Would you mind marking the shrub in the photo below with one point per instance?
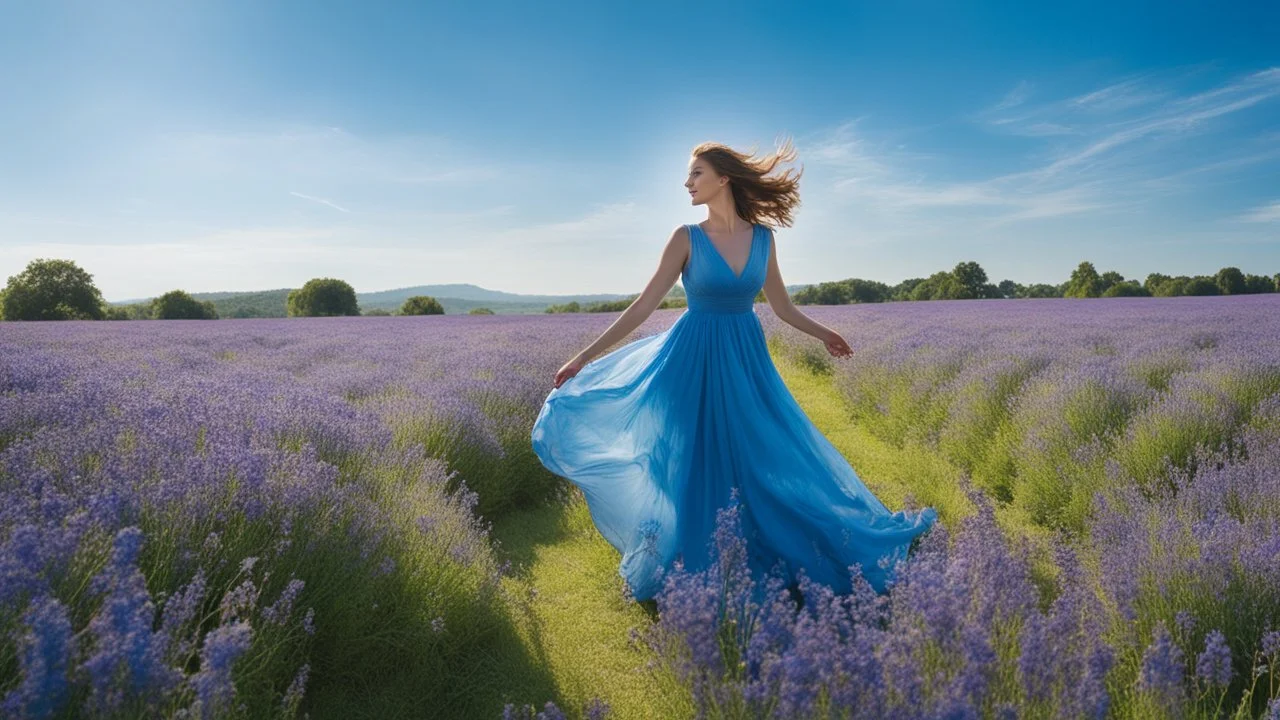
(179, 305)
(323, 297)
(421, 305)
(51, 289)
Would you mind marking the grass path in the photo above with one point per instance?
(570, 616)
(567, 605)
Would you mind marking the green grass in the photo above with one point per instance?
(570, 617)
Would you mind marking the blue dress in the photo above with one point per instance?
(657, 432)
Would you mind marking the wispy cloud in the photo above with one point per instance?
(1265, 213)
(1107, 149)
(1016, 97)
(322, 201)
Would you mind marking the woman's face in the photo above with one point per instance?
(703, 183)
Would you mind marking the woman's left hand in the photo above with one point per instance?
(837, 346)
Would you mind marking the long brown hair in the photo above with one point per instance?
(756, 196)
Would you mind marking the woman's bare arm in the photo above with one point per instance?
(669, 266)
(775, 291)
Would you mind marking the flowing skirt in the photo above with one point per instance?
(659, 431)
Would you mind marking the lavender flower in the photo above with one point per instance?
(212, 684)
(1213, 665)
(43, 657)
(1162, 671)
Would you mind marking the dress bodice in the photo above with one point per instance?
(710, 285)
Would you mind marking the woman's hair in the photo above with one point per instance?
(756, 196)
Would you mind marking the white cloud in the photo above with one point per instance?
(1264, 213)
(322, 201)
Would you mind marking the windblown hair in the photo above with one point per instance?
(756, 196)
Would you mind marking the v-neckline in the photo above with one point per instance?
(751, 252)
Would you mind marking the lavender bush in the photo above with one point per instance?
(1147, 433)
(961, 633)
(1034, 397)
(247, 515)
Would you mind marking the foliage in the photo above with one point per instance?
(323, 297)
(1085, 282)
(608, 306)
(843, 292)
(1201, 286)
(53, 289)
(1126, 288)
(1230, 281)
(179, 305)
(421, 305)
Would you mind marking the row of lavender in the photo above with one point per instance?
(1044, 402)
(1148, 430)
(262, 517)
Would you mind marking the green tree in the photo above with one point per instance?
(936, 287)
(487, 311)
(1084, 283)
(825, 293)
(1172, 287)
(380, 312)
(52, 289)
(1009, 289)
(421, 305)
(1041, 290)
(1254, 284)
(179, 305)
(323, 297)
(903, 290)
(1230, 281)
(1126, 288)
(1154, 281)
(1201, 285)
(1109, 278)
(972, 278)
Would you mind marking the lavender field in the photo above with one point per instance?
(272, 518)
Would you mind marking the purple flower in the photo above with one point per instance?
(597, 709)
(1162, 671)
(44, 650)
(1271, 645)
(128, 659)
(1213, 665)
(279, 611)
(212, 683)
(297, 688)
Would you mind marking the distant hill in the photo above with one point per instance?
(457, 299)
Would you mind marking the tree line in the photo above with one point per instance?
(968, 281)
(55, 289)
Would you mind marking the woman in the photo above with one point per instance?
(659, 432)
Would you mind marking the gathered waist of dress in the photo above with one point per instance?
(720, 308)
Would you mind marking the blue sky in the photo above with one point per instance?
(542, 147)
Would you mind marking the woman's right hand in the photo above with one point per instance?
(569, 369)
